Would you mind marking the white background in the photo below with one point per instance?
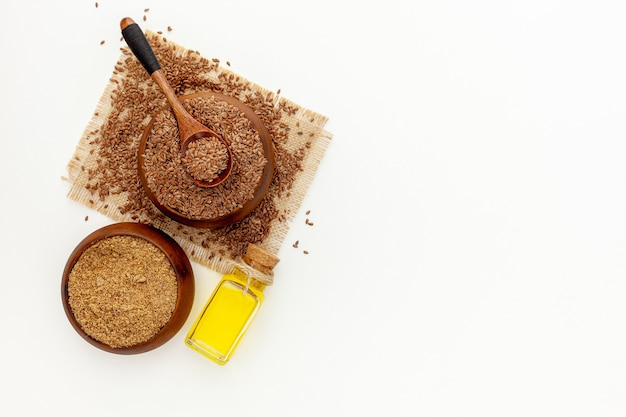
(469, 250)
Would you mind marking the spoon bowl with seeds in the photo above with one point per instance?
(205, 154)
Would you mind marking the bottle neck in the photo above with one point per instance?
(248, 280)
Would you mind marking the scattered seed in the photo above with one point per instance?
(306, 252)
(308, 212)
(96, 5)
(169, 29)
(296, 243)
(146, 10)
(144, 18)
(114, 173)
(86, 218)
(102, 42)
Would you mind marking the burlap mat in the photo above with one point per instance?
(103, 171)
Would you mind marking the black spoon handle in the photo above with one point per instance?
(138, 43)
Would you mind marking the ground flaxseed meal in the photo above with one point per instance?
(166, 171)
(122, 290)
(109, 176)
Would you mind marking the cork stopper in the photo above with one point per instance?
(260, 259)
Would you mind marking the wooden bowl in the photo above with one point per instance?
(179, 261)
(248, 206)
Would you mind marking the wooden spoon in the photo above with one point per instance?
(189, 128)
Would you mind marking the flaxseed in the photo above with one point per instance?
(205, 158)
(166, 172)
(135, 99)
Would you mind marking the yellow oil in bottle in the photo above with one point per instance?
(225, 318)
(231, 309)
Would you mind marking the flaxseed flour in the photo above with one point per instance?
(117, 296)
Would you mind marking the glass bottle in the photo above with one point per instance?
(232, 307)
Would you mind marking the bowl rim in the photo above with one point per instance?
(179, 261)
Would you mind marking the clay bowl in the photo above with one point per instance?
(247, 207)
(182, 268)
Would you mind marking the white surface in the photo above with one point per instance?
(468, 254)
